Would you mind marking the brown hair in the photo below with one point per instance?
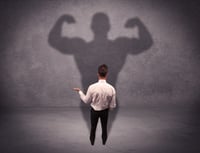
(103, 70)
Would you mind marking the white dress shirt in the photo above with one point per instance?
(101, 95)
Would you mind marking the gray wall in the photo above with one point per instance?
(37, 70)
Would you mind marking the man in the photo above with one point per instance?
(102, 97)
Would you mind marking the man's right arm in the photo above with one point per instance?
(85, 98)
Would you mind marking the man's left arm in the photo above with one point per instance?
(113, 101)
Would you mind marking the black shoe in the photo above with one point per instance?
(92, 141)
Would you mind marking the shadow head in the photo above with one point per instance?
(100, 24)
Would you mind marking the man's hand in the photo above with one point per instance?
(77, 89)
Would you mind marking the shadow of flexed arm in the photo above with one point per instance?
(62, 43)
(145, 40)
(136, 45)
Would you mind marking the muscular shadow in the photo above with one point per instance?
(100, 50)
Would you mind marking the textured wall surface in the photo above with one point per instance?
(49, 47)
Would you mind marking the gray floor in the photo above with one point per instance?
(135, 130)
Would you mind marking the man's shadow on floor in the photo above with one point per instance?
(89, 55)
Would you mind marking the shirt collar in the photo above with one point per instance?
(102, 81)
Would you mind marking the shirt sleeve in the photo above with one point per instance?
(86, 98)
(113, 101)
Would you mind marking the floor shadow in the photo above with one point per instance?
(89, 55)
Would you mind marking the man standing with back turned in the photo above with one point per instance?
(102, 97)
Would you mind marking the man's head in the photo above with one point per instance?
(102, 71)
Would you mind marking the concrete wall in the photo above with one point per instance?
(153, 60)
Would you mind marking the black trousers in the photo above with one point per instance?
(94, 116)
